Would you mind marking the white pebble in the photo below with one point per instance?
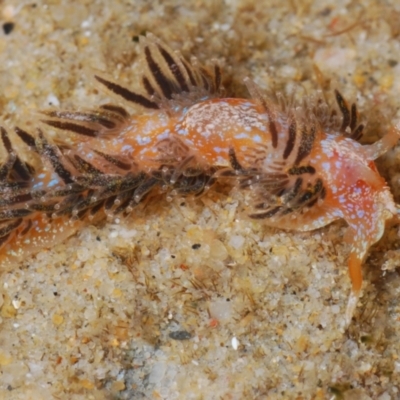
(236, 241)
(52, 100)
(235, 343)
(158, 372)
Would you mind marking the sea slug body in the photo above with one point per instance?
(303, 167)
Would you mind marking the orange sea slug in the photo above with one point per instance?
(303, 167)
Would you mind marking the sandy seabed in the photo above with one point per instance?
(189, 299)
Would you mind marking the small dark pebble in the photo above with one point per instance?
(180, 335)
(8, 27)
(392, 63)
(135, 38)
(196, 246)
(325, 12)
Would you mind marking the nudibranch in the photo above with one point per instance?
(303, 167)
